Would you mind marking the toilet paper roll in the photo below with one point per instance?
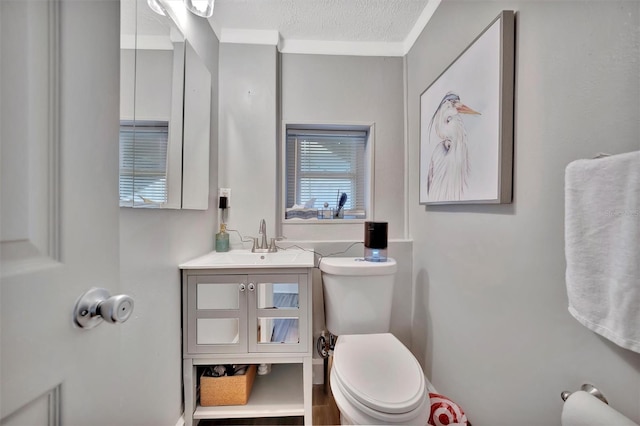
(583, 409)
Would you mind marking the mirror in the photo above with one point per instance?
(278, 296)
(278, 328)
(217, 331)
(165, 96)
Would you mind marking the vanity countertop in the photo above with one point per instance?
(292, 258)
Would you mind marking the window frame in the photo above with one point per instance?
(368, 161)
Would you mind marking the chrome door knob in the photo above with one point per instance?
(116, 308)
(97, 305)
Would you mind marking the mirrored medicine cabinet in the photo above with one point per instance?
(165, 104)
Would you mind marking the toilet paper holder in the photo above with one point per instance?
(588, 388)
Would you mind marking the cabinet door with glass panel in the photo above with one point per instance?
(278, 313)
(246, 313)
(216, 314)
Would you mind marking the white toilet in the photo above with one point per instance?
(374, 379)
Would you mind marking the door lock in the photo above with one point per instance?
(97, 305)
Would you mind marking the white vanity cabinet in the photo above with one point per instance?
(249, 314)
(239, 313)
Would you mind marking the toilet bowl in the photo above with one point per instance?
(374, 378)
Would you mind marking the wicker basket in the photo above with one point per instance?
(227, 390)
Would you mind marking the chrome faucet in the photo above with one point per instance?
(263, 231)
(263, 247)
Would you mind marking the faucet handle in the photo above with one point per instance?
(255, 244)
(272, 245)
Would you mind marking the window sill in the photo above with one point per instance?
(315, 221)
(141, 205)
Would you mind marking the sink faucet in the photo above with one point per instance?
(263, 231)
(263, 247)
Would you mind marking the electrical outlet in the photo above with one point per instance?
(225, 192)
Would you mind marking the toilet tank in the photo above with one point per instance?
(357, 294)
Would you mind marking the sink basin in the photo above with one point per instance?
(247, 259)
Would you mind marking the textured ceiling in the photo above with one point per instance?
(346, 27)
(321, 20)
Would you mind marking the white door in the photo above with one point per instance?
(59, 210)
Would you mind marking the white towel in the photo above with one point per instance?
(602, 246)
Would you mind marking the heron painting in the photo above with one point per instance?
(449, 165)
(466, 123)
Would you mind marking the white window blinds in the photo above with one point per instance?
(322, 164)
(143, 162)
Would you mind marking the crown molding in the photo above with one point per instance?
(326, 47)
(350, 48)
(241, 36)
(420, 24)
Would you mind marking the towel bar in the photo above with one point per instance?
(588, 388)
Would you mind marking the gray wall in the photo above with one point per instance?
(258, 92)
(260, 88)
(348, 89)
(355, 89)
(248, 143)
(491, 325)
(152, 244)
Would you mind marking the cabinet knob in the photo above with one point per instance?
(242, 287)
(252, 286)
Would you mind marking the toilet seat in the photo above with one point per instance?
(377, 375)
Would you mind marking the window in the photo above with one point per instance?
(143, 163)
(324, 163)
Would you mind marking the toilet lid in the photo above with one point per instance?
(357, 266)
(379, 372)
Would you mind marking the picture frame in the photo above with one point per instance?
(466, 123)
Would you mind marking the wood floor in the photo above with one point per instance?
(325, 412)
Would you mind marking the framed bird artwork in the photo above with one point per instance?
(466, 123)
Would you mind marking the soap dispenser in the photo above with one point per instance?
(222, 239)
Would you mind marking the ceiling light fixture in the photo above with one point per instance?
(156, 7)
(202, 8)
